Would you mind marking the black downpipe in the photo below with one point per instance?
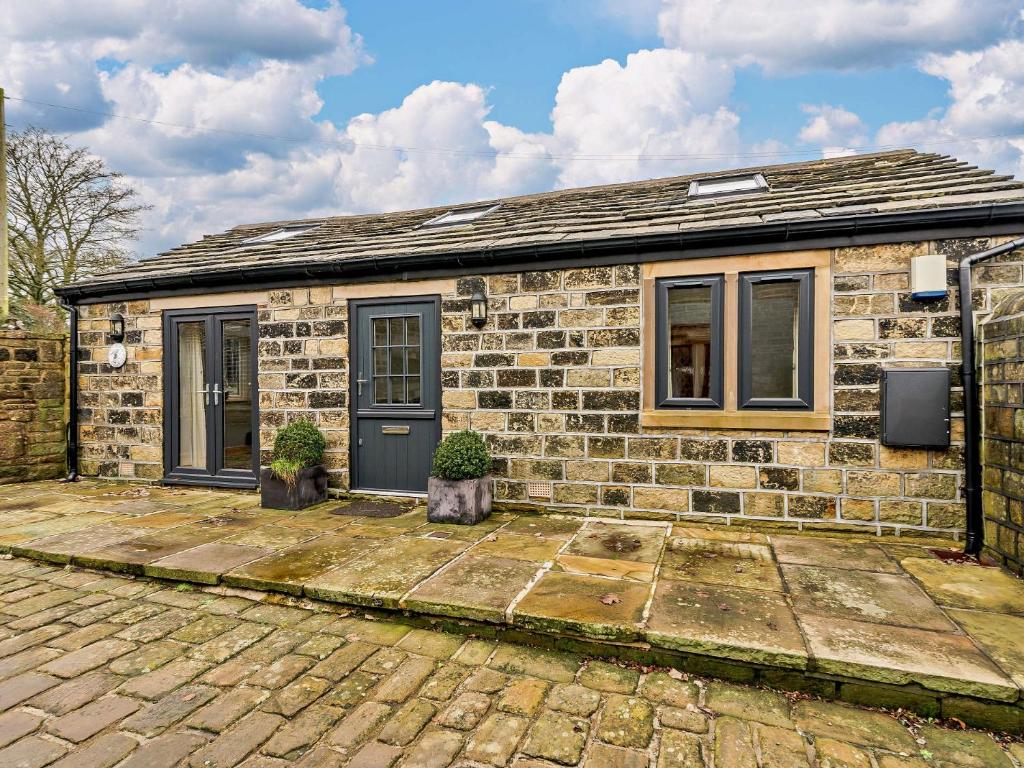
(975, 538)
(72, 434)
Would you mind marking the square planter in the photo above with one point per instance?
(310, 488)
(464, 502)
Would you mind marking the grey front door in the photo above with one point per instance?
(396, 392)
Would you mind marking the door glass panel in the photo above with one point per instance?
(380, 361)
(774, 330)
(397, 390)
(236, 359)
(396, 360)
(397, 331)
(689, 341)
(191, 395)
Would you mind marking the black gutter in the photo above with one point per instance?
(932, 223)
(975, 538)
(72, 429)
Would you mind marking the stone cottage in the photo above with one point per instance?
(711, 347)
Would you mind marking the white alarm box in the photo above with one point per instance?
(928, 276)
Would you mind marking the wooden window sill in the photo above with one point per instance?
(782, 420)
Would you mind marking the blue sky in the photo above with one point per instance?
(520, 51)
(249, 110)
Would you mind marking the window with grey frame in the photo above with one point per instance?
(688, 358)
(776, 340)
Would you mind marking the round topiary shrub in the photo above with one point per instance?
(297, 446)
(462, 456)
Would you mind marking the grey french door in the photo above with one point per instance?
(396, 392)
(211, 424)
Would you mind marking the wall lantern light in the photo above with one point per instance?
(478, 309)
(116, 327)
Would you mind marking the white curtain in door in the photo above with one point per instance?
(191, 408)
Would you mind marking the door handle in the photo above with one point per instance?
(359, 386)
(216, 394)
(206, 394)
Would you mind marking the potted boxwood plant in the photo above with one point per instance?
(296, 477)
(459, 488)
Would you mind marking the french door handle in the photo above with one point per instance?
(216, 394)
(206, 394)
(359, 386)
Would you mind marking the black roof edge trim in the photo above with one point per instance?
(822, 232)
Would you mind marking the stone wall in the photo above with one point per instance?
(1002, 376)
(32, 399)
(553, 381)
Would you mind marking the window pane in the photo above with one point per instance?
(413, 358)
(380, 390)
(380, 361)
(774, 330)
(397, 361)
(237, 412)
(414, 390)
(689, 341)
(192, 397)
(412, 325)
(380, 332)
(397, 390)
(397, 331)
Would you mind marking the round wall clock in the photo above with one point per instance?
(116, 355)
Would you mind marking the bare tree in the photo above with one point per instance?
(70, 216)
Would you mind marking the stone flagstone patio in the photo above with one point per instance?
(877, 621)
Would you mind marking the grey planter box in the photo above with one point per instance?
(310, 488)
(464, 502)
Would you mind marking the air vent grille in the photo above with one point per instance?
(540, 491)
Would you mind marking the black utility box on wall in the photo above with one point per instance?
(915, 407)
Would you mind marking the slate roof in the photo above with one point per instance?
(887, 182)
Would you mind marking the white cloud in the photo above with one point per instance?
(437, 115)
(53, 72)
(660, 102)
(271, 98)
(238, 69)
(984, 121)
(836, 130)
(230, 67)
(86, 60)
(328, 175)
(791, 35)
(204, 32)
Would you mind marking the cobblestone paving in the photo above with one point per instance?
(99, 670)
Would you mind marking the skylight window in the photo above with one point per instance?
(284, 233)
(461, 216)
(728, 185)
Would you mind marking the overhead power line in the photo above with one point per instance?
(348, 143)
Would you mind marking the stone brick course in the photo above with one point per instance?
(554, 380)
(32, 402)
